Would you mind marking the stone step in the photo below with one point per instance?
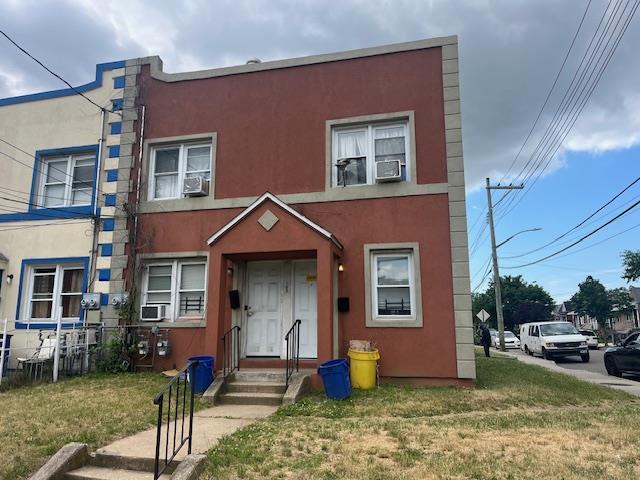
(100, 473)
(243, 398)
(106, 459)
(276, 376)
(256, 387)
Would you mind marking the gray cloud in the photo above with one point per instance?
(510, 51)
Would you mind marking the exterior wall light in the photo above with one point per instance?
(9, 279)
(340, 267)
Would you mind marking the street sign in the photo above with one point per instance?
(483, 315)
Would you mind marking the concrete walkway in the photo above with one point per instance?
(209, 425)
(630, 386)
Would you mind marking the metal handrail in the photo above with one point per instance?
(292, 340)
(179, 412)
(230, 356)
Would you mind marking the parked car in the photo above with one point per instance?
(592, 338)
(510, 340)
(625, 357)
(553, 340)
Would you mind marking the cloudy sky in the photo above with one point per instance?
(510, 53)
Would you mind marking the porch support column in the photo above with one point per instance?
(216, 304)
(325, 302)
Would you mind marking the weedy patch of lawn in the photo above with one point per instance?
(35, 421)
(520, 421)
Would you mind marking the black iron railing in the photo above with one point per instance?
(230, 351)
(178, 396)
(292, 340)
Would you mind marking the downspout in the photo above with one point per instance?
(96, 219)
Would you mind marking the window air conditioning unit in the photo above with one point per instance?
(195, 187)
(388, 171)
(153, 313)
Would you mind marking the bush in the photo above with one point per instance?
(114, 355)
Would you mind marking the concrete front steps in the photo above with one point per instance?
(101, 466)
(254, 387)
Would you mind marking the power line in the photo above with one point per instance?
(78, 92)
(10, 229)
(553, 86)
(569, 100)
(567, 127)
(615, 197)
(581, 239)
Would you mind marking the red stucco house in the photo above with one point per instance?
(328, 189)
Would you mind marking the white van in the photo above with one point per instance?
(553, 340)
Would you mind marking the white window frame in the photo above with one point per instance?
(173, 308)
(374, 283)
(369, 128)
(372, 251)
(67, 199)
(57, 291)
(182, 167)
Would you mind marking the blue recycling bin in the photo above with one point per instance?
(335, 378)
(203, 371)
(7, 349)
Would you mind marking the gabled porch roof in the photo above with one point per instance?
(267, 196)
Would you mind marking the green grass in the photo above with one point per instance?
(35, 421)
(520, 418)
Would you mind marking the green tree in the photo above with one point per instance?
(522, 302)
(621, 299)
(592, 299)
(631, 263)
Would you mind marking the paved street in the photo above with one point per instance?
(595, 365)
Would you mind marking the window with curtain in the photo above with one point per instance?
(67, 180)
(356, 150)
(52, 287)
(393, 285)
(179, 284)
(170, 165)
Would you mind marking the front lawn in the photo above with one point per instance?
(521, 421)
(36, 421)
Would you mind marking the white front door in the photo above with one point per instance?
(264, 309)
(305, 306)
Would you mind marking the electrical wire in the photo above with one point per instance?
(581, 239)
(544, 148)
(611, 200)
(76, 91)
(553, 86)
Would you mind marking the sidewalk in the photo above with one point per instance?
(209, 426)
(629, 386)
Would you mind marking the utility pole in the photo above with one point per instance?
(494, 255)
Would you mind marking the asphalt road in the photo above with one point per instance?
(596, 362)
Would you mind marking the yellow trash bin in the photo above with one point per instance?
(363, 370)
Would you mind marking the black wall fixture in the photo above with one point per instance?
(234, 299)
(343, 304)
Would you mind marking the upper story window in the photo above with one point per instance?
(179, 284)
(54, 286)
(67, 180)
(362, 154)
(170, 165)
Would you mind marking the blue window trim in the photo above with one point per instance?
(51, 213)
(27, 262)
(115, 128)
(108, 224)
(110, 200)
(118, 82)
(66, 92)
(112, 175)
(106, 249)
(114, 151)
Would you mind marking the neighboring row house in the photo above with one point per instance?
(59, 165)
(327, 189)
